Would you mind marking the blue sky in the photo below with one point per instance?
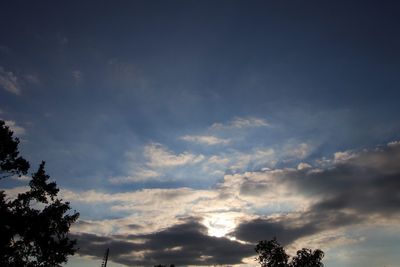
(212, 117)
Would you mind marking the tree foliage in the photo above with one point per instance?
(10, 161)
(34, 226)
(308, 258)
(272, 254)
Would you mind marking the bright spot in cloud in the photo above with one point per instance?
(219, 225)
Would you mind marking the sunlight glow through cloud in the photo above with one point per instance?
(183, 132)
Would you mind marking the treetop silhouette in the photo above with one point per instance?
(272, 254)
(34, 226)
(10, 161)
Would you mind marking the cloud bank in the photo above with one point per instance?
(353, 188)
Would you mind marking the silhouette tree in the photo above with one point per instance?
(272, 254)
(308, 258)
(10, 161)
(34, 226)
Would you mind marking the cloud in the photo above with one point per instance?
(186, 243)
(139, 176)
(161, 164)
(303, 165)
(394, 143)
(241, 123)
(9, 82)
(152, 209)
(205, 139)
(366, 182)
(158, 163)
(296, 151)
(235, 161)
(302, 205)
(291, 227)
(363, 188)
(22, 178)
(159, 156)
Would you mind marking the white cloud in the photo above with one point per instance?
(159, 156)
(205, 139)
(22, 178)
(9, 82)
(137, 176)
(18, 130)
(151, 209)
(238, 197)
(158, 164)
(303, 166)
(343, 156)
(237, 161)
(218, 160)
(241, 123)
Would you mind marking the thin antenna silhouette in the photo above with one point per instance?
(105, 259)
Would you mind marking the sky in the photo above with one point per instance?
(184, 132)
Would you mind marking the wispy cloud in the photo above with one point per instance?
(296, 151)
(140, 175)
(9, 81)
(205, 139)
(159, 156)
(241, 123)
(22, 178)
(158, 163)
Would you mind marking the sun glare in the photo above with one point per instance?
(219, 225)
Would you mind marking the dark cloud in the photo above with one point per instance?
(94, 245)
(350, 190)
(182, 244)
(260, 229)
(367, 183)
(289, 228)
